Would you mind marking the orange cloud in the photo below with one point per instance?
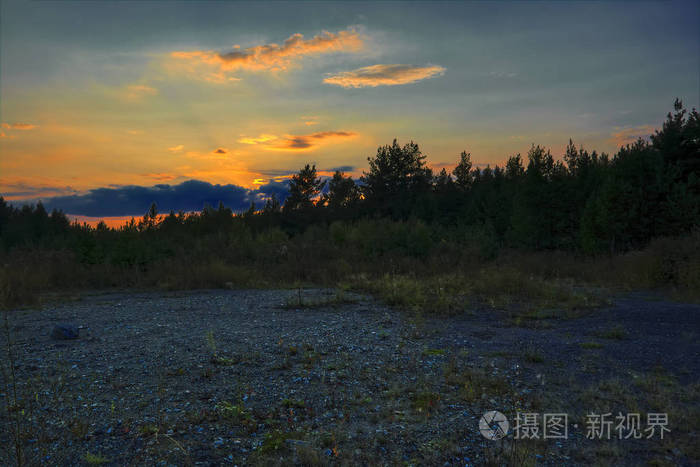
(263, 138)
(309, 142)
(137, 91)
(275, 57)
(310, 120)
(630, 135)
(219, 78)
(383, 75)
(19, 126)
(177, 148)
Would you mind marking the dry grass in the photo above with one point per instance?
(526, 297)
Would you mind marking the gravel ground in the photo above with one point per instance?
(243, 377)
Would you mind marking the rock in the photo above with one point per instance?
(64, 332)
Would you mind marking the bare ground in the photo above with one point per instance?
(251, 377)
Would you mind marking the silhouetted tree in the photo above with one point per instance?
(678, 141)
(272, 204)
(342, 192)
(303, 188)
(150, 219)
(397, 177)
(463, 171)
(514, 167)
(250, 212)
(629, 208)
(444, 185)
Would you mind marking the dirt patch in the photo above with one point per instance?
(240, 377)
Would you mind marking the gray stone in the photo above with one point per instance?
(65, 331)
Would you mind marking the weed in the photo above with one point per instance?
(298, 301)
(615, 332)
(425, 402)
(236, 413)
(224, 361)
(177, 372)
(96, 459)
(275, 441)
(293, 403)
(476, 383)
(533, 355)
(211, 342)
(10, 380)
(79, 428)
(149, 429)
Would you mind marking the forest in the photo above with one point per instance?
(398, 218)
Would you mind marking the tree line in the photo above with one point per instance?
(587, 202)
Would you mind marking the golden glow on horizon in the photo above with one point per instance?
(263, 138)
(19, 126)
(112, 221)
(630, 135)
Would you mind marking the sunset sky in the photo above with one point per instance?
(102, 101)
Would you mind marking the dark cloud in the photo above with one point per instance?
(220, 151)
(342, 168)
(301, 142)
(273, 172)
(133, 200)
(28, 191)
(279, 188)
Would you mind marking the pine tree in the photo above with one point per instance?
(444, 183)
(463, 172)
(397, 178)
(304, 187)
(272, 204)
(342, 192)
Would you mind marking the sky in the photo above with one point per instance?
(106, 106)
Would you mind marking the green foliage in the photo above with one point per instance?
(235, 413)
(276, 441)
(96, 459)
(397, 176)
(382, 237)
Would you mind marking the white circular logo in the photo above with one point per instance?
(493, 425)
